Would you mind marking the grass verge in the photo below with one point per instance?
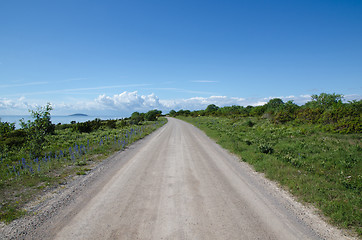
(323, 169)
(69, 153)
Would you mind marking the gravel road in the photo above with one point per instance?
(174, 184)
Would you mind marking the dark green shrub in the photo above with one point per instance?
(136, 118)
(265, 148)
(16, 138)
(257, 111)
(111, 124)
(283, 117)
(183, 113)
(309, 115)
(212, 108)
(250, 123)
(6, 127)
(83, 127)
(172, 113)
(274, 105)
(152, 115)
(88, 126)
(123, 123)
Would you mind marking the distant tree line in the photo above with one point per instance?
(137, 118)
(327, 110)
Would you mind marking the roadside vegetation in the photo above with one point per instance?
(314, 150)
(41, 156)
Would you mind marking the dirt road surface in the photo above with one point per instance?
(179, 184)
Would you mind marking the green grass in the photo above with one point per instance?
(21, 186)
(323, 169)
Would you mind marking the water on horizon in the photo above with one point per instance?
(55, 119)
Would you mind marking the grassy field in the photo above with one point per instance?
(67, 153)
(320, 168)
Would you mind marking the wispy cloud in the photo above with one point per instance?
(79, 90)
(22, 84)
(105, 87)
(181, 90)
(204, 81)
(72, 80)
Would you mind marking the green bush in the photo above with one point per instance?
(250, 123)
(38, 129)
(309, 115)
(14, 139)
(88, 126)
(265, 148)
(83, 127)
(111, 124)
(152, 115)
(283, 117)
(6, 127)
(136, 118)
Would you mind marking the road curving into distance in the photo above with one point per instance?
(179, 184)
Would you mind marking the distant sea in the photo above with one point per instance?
(55, 119)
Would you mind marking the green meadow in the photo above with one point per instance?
(317, 161)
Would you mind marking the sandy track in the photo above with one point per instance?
(178, 184)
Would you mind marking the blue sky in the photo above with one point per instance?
(116, 57)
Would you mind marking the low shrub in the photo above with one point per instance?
(265, 148)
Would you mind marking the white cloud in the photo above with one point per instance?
(197, 103)
(129, 101)
(300, 100)
(15, 106)
(125, 103)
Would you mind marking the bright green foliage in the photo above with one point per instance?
(265, 148)
(326, 110)
(38, 129)
(326, 100)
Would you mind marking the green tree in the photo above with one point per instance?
(212, 108)
(37, 130)
(274, 105)
(152, 115)
(172, 113)
(136, 118)
(325, 100)
(183, 113)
